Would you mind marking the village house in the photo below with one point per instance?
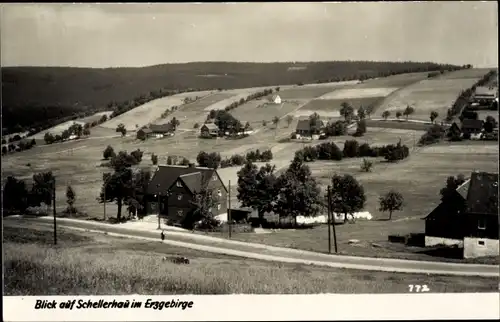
(209, 130)
(469, 218)
(468, 127)
(276, 99)
(160, 130)
(485, 95)
(173, 189)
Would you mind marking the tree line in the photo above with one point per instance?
(214, 160)
(18, 147)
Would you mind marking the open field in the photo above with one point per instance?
(331, 107)
(147, 113)
(355, 92)
(475, 73)
(257, 111)
(430, 95)
(95, 117)
(189, 114)
(127, 266)
(309, 92)
(401, 80)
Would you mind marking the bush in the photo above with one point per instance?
(329, 151)
(196, 125)
(154, 159)
(237, 160)
(366, 165)
(433, 135)
(266, 156)
(108, 153)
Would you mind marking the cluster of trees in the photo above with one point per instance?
(250, 97)
(434, 134)
(409, 110)
(76, 129)
(462, 103)
(352, 149)
(226, 122)
(14, 138)
(134, 158)
(20, 146)
(297, 193)
(214, 160)
(124, 185)
(174, 160)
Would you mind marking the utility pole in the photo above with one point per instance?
(333, 217)
(229, 209)
(329, 221)
(159, 206)
(54, 208)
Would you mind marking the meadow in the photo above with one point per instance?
(331, 107)
(149, 112)
(91, 264)
(418, 178)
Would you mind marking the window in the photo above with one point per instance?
(210, 209)
(179, 197)
(214, 177)
(480, 242)
(481, 224)
(218, 207)
(180, 212)
(179, 184)
(219, 193)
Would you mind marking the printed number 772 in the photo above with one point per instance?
(418, 288)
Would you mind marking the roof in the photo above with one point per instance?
(463, 189)
(146, 130)
(195, 178)
(275, 96)
(211, 126)
(303, 125)
(482, 195)
(472, 124)
(161, 128)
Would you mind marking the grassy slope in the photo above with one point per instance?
(98, 264)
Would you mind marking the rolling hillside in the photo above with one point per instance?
(34, 96)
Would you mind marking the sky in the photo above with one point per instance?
(134, 35)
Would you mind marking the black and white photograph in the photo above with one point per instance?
(249, 148)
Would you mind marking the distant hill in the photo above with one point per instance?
(36, 96)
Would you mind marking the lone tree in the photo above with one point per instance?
(70, 200)
(175, 123)
(256, 188)
(386, 115)
(289, 120)
(366, 165)
(154, 159)
(409, 110)
(298, 193)
(141, 135)
(108, 153)
(276, 121)
(361, 128)
(346, 110)
(391, 202)
(121, 129)
(398, 114)
(434, 116)
(347, 195)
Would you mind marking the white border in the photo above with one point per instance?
(451, 306)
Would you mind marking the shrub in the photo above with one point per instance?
(237, 159)
(266, 156)
(433, 135)
(366, 165)
(196, 125)
(185, 161)
(108, 153)
(329, 151)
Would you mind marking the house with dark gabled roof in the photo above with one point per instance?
(468, 218)
(209, 130)
(304, 128)
(161, 130)
(172, 190)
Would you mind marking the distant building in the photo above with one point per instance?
(160, 130)
(468, 218)
(209, 130)
(276, 99)
(304, 128)
(468, 127)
